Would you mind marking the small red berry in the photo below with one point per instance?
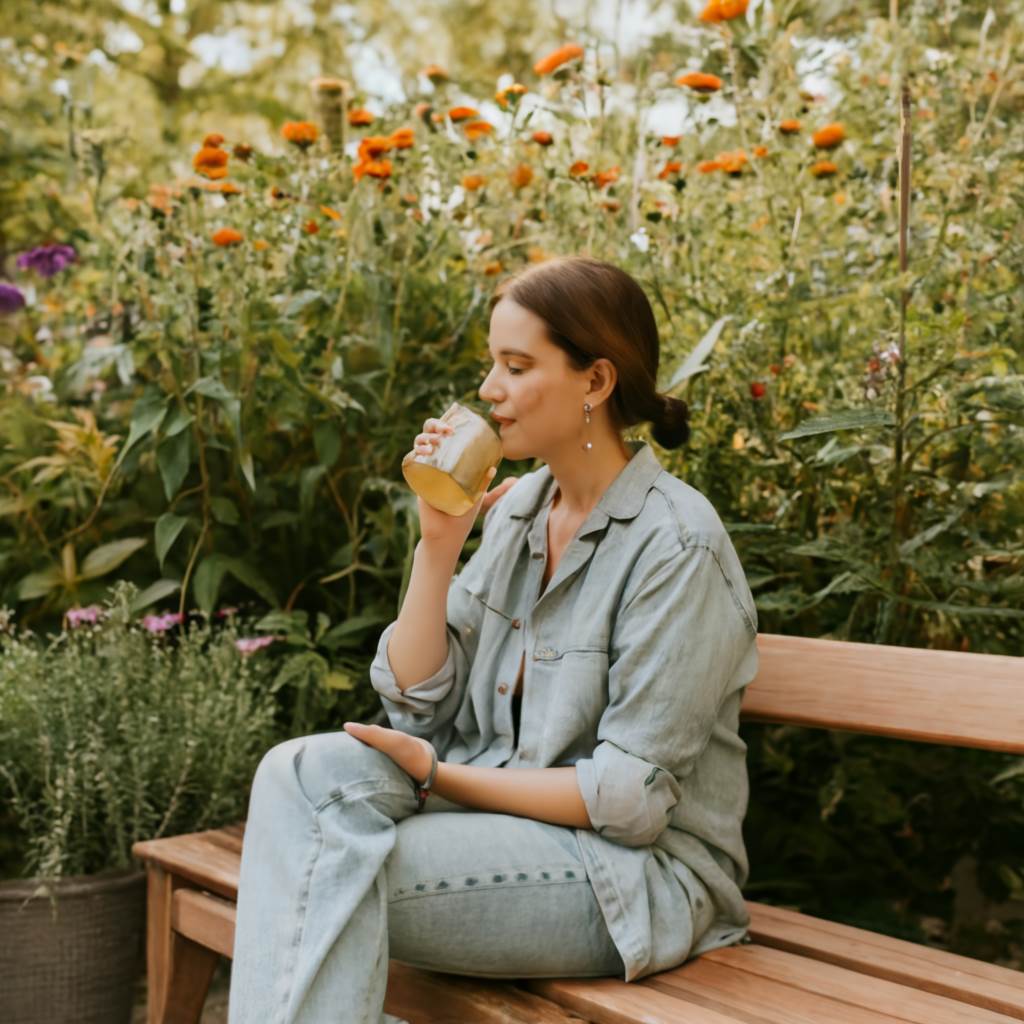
(757, 390)
(775, 369)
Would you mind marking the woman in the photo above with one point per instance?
(606, 599)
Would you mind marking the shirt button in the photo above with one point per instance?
(538, 554)
(515, 623)
(502, 688)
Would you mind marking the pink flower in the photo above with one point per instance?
(161, 623)
(76, 616)
(223, 613)
(247, 645)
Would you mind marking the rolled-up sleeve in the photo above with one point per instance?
(431, 704)
(682, 642)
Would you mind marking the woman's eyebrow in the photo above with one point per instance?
(515, 352)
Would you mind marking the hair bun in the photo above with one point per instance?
(672, 426)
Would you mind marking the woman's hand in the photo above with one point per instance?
(438, 529)
(411, 753)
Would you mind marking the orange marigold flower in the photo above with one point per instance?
(329, 211)
(227, 236)
(555, 59)
(311, 227)
(670, 140)
(435, 73)
(723, 10)
(211, 162)
(374, 168)
(471, 182)
(360, 117)
(492, 268)
(242, 150)
(373, 146)
(276, 192)
(300, 133)
(700, 81)
(402, 138)
(824, 169)
(671, 167)
(611, 205)
(503, 95)
(578, 169)
(760, 151)
(477, 129)
(463, 113)
(213, 140)
(709, 166)
(261, 244)
(829, 136)
(521, 176)
(542, 138)
(790, 126)
(603, 178)
(732, 163)
(225, 188)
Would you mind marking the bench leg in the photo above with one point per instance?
(192, 971)
(178, 971)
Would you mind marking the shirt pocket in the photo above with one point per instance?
(578, 683)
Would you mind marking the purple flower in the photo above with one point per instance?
(76, 616)
(253, 643)
(47, 260)
(161, 623)
(11, 299)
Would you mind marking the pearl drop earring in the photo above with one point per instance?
(586, 415)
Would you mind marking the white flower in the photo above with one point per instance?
(640, 240)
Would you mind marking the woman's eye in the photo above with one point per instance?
(515, 371)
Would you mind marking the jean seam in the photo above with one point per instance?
(369, 789)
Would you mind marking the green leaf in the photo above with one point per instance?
(694, 362)
(338, 680)
(301, 301)
(843, 419)
(178, 420)
(154, 592)
(930, 534)
(146, 416)
(173, 458)
(166, 532)
(245, 464)
(207, 580)
(327, 442)
(108, 557)
(224, 511)
(250, 576)
(38, 584)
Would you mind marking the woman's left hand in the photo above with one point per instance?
(411, 753)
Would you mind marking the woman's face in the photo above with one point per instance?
(531, 383)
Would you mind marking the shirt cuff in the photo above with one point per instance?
(423, 696)
(629, 800)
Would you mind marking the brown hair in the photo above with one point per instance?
(594, 310)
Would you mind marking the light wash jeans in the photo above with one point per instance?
(339, 873)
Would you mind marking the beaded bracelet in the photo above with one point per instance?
(422, 792)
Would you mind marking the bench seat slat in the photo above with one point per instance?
(849, 987)
(205, 919)
(931, 970)
(609, 1001)
(207, 864)
(949, 697)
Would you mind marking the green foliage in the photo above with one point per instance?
(110, 734)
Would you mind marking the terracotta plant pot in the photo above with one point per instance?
(79, 963)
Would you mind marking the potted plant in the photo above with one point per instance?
(112, 730)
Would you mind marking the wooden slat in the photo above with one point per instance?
(974, 982)
(848, 987)
(764, 999)
(195, 857)
(611, 1001)
(430, 997)
(205, 919)
(971, 700)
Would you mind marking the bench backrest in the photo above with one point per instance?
(970, 700)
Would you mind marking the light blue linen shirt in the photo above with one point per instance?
(638, 653)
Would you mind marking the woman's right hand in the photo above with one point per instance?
(437, 528)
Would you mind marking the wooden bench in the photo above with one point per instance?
(796, 969)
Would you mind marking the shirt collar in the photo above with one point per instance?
(623, 498)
